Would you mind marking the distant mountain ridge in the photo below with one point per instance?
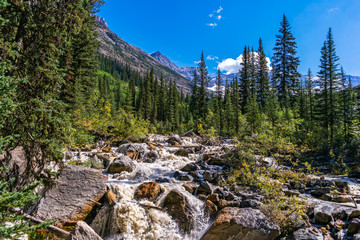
(186, 72)
(113, 46)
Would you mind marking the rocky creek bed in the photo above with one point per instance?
(172, 187)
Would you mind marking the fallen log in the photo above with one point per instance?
(186, 133)
(55, 230)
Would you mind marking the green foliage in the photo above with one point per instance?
(12, 222)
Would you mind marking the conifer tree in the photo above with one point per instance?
(285, 64)
(329, 85)
(195, 96)
(309, 96)
(347, 103)
(162, 100)
(235, 104)
(204, 79)
(227, 106)
(245, 88)
(219, 102)
(262, 72)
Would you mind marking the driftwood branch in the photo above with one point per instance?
(55, 230)
(184, 134)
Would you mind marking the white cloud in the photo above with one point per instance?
(212, 24)
(196, 62)
(231, 65)
(216, 15)
(212, 58)
(333, 10)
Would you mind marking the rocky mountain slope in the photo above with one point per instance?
(187, 72)
(113, 46)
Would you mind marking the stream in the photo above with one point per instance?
(161, 160)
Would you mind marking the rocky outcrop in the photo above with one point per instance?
(121, 164)
(82, 231)
(72, 197)
(134, 150)
(241, 223)
(354, 226)
(177, 206)
(307, 234)
(149, 190)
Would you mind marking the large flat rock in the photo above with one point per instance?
(241, 223)
(72, 197)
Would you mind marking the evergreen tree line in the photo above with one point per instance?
(324, 107)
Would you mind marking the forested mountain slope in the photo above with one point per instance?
(113, 46)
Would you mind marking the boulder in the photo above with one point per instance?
(354, 226)
(190, 187)
(210, 175)
(175, 140)
(214, 198)
(190, 167)
(121, 164)
(354, 214)
(198, 175)
(72, 197)
(104, 157)
(178, 208)
(205, 187)
(241, 223)
(323, 215)
(211, 208)
(307, 234)
(82, 231)
(134, 150)
(183, 152)
(149, 190)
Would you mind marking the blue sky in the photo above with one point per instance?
(221, 28)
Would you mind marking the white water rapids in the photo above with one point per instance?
(129, 219)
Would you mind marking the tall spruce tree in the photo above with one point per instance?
(219, 102)
(262, 73)
(329, 85)
(309, 99)
(245, 78)
(285, 64)
(227, 107)
(203, 93)
(195, 96)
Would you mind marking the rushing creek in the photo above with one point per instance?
(130, 218)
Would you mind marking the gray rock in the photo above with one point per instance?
(251, 203)
(307, 234)
(354, 226)
(82, 231)
(177, 206)
(205, 187)
(70, 199)
(121, 164)
(190, 167)
(323, 215)
(210, 175)
(241, 223)
(197, 174)
(174, 140)
(104, 157)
